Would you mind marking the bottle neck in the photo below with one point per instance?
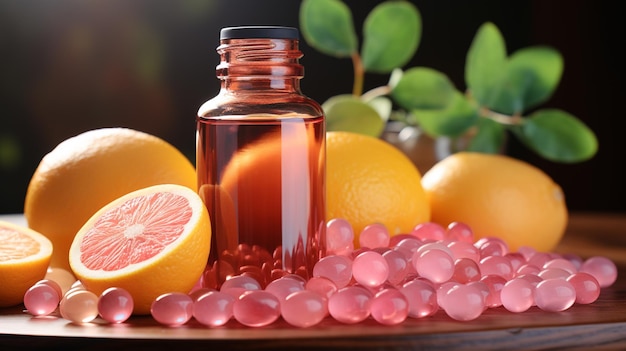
(253, 65)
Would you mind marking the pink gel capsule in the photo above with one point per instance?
(41, 299)
(586, 286)
(554, 295)
(172, 309)
(115, 305)
(370, 269)
(239, 284)
(337, 268)
(79, 306)
(601, 268)
(283, 286)
(466, 270)
(463, 302)
(434, 265)
(256, 308)
(398, 266)
(213, 308)
(304, 308)
(422, 298)
(517, 295)
(374, 235)
(350, 305)
(460, 232)
(322, 286)
(462, 249)
(389, 307)
(497, 265)
(429, 231)
(339, 237)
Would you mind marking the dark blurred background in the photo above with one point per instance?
(67, 66)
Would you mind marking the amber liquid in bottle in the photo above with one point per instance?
(260, 161)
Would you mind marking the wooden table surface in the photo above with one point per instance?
(601, 325)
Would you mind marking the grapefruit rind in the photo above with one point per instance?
(18, 274)
(177, 268)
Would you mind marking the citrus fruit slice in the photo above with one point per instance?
(370, 181)
(151, 241)
(24, 258)
(498, 196)
(87, 171)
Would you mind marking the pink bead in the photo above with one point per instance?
(336, 268)
(576, 260)
(398, 266)
(443, 289)
(395, 239)
(497, 265)
(195, 294)
(339, 237)
(550, 273)
(561, 263)
(554, 295)
(422, 298)
(601, 268)
(527, 269)
(350, 304)
(462, 249)
(539, 259)
(460, 232)
(239, 284)
(429, 231)
(408, 247)
(172, 309)
(463, 303)
(370, 269)
(282, 287)
(389, 307)
(484, 290)
(527, 252)
(322, 286)
(586, 286)
(437, 245)
(79, 306)
(213, 308)
(516, 259)
(374, 235)
(492, 246)
(434, 265)
(517, 295)
(495, 283)
(115, 305)
(304, 308)
(466, 270)
(531, 278)
(256, 308)
(54, 285)
(41, 299)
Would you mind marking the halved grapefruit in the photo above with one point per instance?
(151, 241)
(24, 259)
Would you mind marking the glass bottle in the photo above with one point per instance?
(260, 160)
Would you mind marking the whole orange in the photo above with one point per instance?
(370, 181)
(87, 171)
(497, 196)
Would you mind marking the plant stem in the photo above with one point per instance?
(514, 120)
(376, 92)
(359, 73)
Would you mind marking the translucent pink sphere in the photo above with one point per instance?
(79, 306)
(256, 308)
(422, 298)
(374, 235)
(350, 304)
(283, 286)
(466, 270)
(495, 283)
(339, 237)
(463, 303)
(561, 263)
(601, 268)
(172, 309)
(337, 268)
(398, 266)
(239, 284)
(554, 295)
(370, 269)
(304, 308)
(389, 307)
(115, 305)
(586, 286)
(461, 249)
(517, 295)
(434, 265)
(322, 286)
(429, 231)
(497, 265)
(213, 308)
(461, 232)
(41, 299)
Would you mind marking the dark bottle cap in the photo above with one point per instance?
(259, 32)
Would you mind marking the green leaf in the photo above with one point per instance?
(349, 113)
(423, 89)
(485, 62)
(452, 121)
(558, 136)
(531, 76)
(391, 35)
(382, 105)
(327, 26)
(489, 138)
